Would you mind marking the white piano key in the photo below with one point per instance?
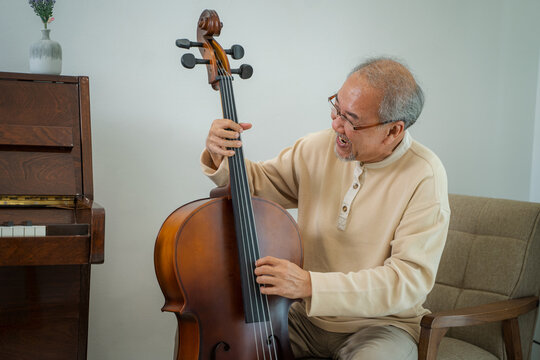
(6, 231)
(29, 231)
(18, 230)
(39, 230)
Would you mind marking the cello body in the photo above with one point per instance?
(196, 260)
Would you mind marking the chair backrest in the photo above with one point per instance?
(492, 253)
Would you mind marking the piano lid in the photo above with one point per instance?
(45, 142)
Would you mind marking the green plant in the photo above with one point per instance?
(43, 9)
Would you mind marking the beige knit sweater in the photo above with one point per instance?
(373, 233)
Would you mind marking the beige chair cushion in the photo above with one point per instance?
(453, 349)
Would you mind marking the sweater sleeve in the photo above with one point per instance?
(275, 180)
(407, 275)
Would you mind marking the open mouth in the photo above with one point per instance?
(343, 148)
(342, 140)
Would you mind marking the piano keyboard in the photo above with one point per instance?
(23, 231)
(26, 229)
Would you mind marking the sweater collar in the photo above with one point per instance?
(401, 149)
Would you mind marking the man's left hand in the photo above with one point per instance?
(283, 278)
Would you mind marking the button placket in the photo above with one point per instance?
(349, 197)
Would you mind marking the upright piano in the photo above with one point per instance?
(51, 230)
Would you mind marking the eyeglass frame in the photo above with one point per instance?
(355, 128)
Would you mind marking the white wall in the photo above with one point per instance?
(535, 189)
(535, 165)
(477, 61)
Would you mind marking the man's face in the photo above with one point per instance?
(359, 104)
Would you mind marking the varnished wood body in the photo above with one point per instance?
(196, 260)
(45, 150)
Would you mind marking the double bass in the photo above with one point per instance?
(206, 250)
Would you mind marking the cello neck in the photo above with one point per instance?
(238, 177)
(244, 219)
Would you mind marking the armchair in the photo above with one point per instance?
(485, 299)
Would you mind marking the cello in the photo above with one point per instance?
(205, 251)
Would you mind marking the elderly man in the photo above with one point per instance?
(373, 215)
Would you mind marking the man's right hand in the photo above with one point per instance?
(222, 135)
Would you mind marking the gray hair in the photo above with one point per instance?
(403, 99)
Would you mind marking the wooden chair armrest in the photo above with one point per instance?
(487, 313)
(434, 326)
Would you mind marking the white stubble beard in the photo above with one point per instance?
(347, 158)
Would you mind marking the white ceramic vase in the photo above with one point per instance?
(46, 55)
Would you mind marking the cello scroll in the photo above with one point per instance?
(213, 55)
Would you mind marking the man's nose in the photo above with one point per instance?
(337, 123)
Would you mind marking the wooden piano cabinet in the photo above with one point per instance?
(44, 314)
(46, 179)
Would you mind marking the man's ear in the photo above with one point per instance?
(394, 131)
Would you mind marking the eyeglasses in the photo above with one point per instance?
(336, 112)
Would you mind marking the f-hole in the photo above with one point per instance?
(223, 344)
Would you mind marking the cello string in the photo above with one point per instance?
(243, 215)
(251, 220)
(254, 234)
(228, 107)
(227, 113)
(246, 207)
(253, 229)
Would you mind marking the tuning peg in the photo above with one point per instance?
(189, 61)
(186, 44)
(236, 52)
(245, 71)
